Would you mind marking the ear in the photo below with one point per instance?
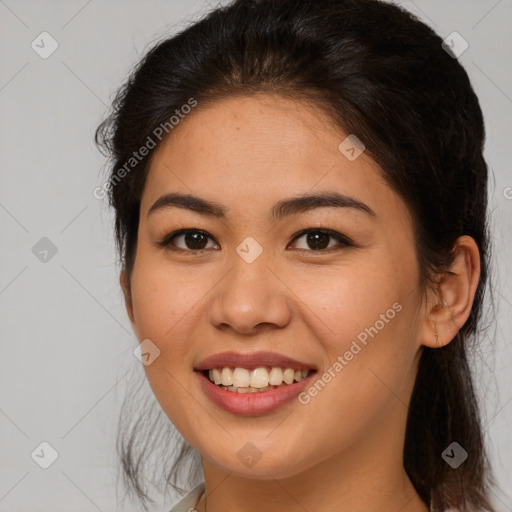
(448, 310)
(126, 287)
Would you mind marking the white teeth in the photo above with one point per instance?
(261, 379)
(288, 375)
(227, 377)
(276, 377)
(217, 377)
(241, 377)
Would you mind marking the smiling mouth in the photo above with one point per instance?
(257, 380)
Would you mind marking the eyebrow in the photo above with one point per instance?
(281, 209)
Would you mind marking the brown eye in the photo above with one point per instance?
(319, 239)
(190, 240)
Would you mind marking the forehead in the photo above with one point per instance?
(254, 150)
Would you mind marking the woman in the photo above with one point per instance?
(301, 216)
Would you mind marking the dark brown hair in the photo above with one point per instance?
(383, 75)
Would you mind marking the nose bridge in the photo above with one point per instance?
(250, 294)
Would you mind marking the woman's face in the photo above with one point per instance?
(246, 281)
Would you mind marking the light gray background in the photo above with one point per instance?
(66, 349)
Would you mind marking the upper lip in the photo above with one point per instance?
(250, 360)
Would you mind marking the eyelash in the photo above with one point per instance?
(342, 239)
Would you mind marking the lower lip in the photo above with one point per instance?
(251, 404)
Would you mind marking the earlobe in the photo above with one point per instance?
(451, 307)
(124, 281)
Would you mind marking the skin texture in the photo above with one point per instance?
(342, 451)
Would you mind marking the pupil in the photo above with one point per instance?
(316, 240)
(195, 240)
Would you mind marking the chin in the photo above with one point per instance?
(249, 462)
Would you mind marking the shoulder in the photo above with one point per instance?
(190, 500)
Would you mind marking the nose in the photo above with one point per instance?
(250, 298)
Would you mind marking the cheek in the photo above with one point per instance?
(165, 300)
(362, 331)
(367, 379)
(346, 301)
(166, 309)
(365, 317)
